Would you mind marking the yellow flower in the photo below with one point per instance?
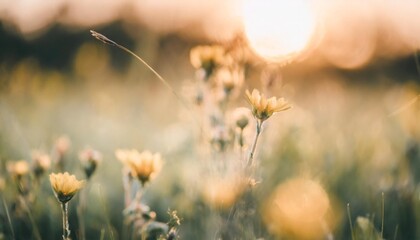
(143, 165)
(207, 58)
(263, 108)
(65, 186)
(18, 168)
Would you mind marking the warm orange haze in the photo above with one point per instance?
(239, 119)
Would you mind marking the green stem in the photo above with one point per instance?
(66, 229)
(383, 215)
(80, 209)
(254, 145)
(241, 143)
(351, 223)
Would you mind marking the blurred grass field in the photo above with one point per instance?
(356, 133)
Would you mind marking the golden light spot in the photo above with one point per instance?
(298, 209)
(223, 191)
(277, 29)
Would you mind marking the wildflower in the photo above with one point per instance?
(230, 78)
(65, 186)
(90, 159)
(41, 163)
(62, 145)
(221, 138)
(18, 168)
(263, 108)
(207, 58)
(143, 165)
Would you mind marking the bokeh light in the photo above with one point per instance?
(277, 29)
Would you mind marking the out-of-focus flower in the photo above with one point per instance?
(298, 209)
(230, 78)
(65, 186)
(221, 137)
(62, 145)
(207, 58)
(241, 117)
(89, 159)
(223, 191)
(143, 165)
(41, 162)
(263, 108)
(18, 168)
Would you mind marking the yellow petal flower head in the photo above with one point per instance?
(263, 108)
(143, 165)
(65, 186)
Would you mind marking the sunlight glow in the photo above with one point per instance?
(277, 29)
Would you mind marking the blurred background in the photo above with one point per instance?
(351, 70)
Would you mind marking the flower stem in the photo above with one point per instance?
(66, 229)
(254, 145)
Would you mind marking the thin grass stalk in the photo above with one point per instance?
(102, 237)
(105, 211)
(108, 41)
(396, 232)
(382, 215)
(8, 217)
(66, 228)
(80, 209)
(350, 222)
(36, 233)
(127, 184)
(241, 143)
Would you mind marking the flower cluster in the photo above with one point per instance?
(207, 58)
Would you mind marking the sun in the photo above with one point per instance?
(277, 29)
